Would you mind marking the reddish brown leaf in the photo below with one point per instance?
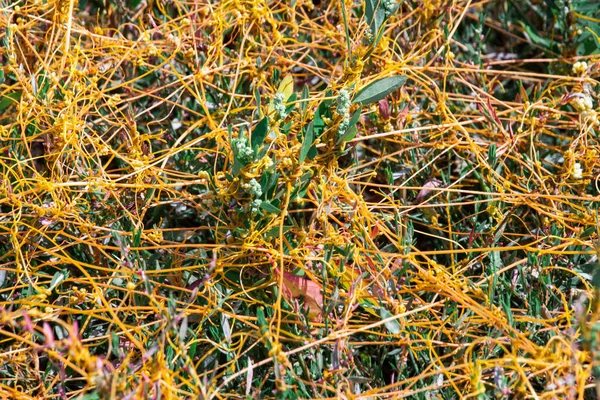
(427, 189)
(295, 287)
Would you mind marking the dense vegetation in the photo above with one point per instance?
(299, 199)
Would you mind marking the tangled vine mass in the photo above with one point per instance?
(299, 199)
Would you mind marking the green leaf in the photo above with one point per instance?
(355, 117)
(43, 86)
(349, 135)
(137, 237)
(375, 15)
(290, 107)
(309, 138)
(258, 101)
(588, 268)
(346, 30)
(351, 131)
(260, 133)
(9, 99)
(492, 155)
(268, 183)
(393, 326)
(375, 43)
(379, 89)
(192, 349)
(237, 166)
(274, 232)
(92, 396)
(304, 98)
(553, 5)
(58, 278)
(507, 310)
(116, 344)
(596, 279)
(322, 111)
(262, 321)
(267, 206)
(535, 38)
(495, 261)
(133, 4)
(312, 153)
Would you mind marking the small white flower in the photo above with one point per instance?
(176, 124)
(582, 102)
(577, 171)
(579, 68)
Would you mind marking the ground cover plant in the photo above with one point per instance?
(299, 199)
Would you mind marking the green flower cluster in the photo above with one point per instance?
(343, 108)
(253, 188)
(390, 7)
(255, 205)
(278, 104)
(242, 149)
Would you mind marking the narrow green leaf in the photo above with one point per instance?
(116, 344)
(309, 138)
(93, 396)
(258, 101)
(133, 4)
(43, 87)
(375, 15)
(535, 38)
(507, 309)
(322, 111)
(267, 206)
(351, 131)
(393, 326)
(304, 98)
(312, 153)
(346, 31)
(495, 261)
(379, 89)
(369, 9)
(58, 278)
(192, 349)
(553, 5)
(596, 279)
(9, 99)
(349, 135)
(274, 232)
(137, 237)
(237, 166)
(492, 155)
(260, 133)
(262, 321)
(355, 117)
(290, 107)
(375, 43)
